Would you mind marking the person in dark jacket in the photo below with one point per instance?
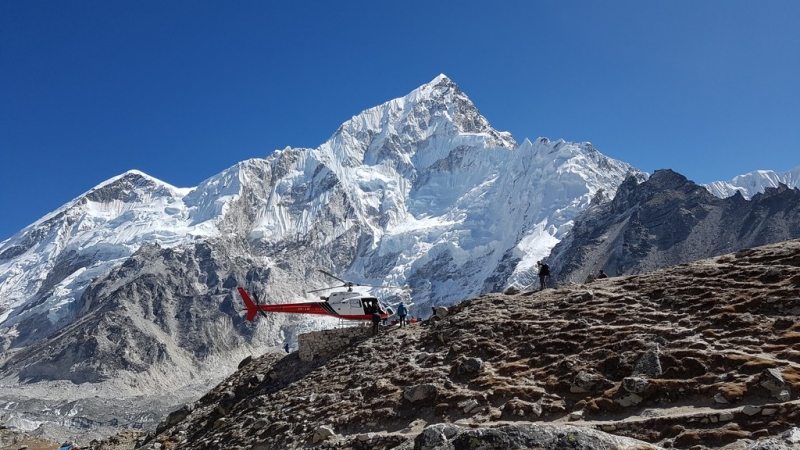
(601, 274)
(402, 312)
(376, 321)
(544, 272)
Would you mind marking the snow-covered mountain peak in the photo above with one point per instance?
(752, 183)
(130, 187)
(417, 129)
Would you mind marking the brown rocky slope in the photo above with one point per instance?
(700, 355)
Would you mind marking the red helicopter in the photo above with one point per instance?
(347, 305)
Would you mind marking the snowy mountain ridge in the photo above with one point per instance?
(97, 230)
(752, 183)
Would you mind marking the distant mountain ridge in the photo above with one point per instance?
(755, 182)
(669, 220)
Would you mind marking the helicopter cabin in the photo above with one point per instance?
(356, 301)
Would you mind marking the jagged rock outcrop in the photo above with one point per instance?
(669, 220)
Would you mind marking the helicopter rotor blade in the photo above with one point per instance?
(322, 289)
(387, 286)
(332, 276)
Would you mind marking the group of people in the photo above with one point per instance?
(402, 310)
(402, 316)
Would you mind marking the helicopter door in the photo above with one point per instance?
(371, 305)
(355, 305)
(368, 306)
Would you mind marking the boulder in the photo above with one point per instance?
(470, 366)
(772, 380)
(420, 393)
(448, 437)
(522, 408)
(638, 385)
(649, 364)
(789, 439)
(586, 382)
(321, 433)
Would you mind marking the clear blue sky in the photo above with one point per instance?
(184, 89)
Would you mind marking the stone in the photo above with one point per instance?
(629, 399)
(245, 361)
(751, 410)
(638, 385)
(648, 364)
(585, 382)
(178, 416)
(434, 436)
(523, 435)
(468, 405)
(772, 380)
(420, 393)
(783, 395)
(321, 433)
(522, 408)
(725, 416)
(470, 366)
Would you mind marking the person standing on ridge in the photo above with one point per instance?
(601, 274)
(402, 312)
(544, 272)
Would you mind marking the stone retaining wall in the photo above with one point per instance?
(326, 342)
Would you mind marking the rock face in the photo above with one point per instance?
(669, 220)
(685, 357)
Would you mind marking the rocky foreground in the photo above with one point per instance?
(700, 355)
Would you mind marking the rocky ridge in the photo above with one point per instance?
(669, 220)
(695, 356)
